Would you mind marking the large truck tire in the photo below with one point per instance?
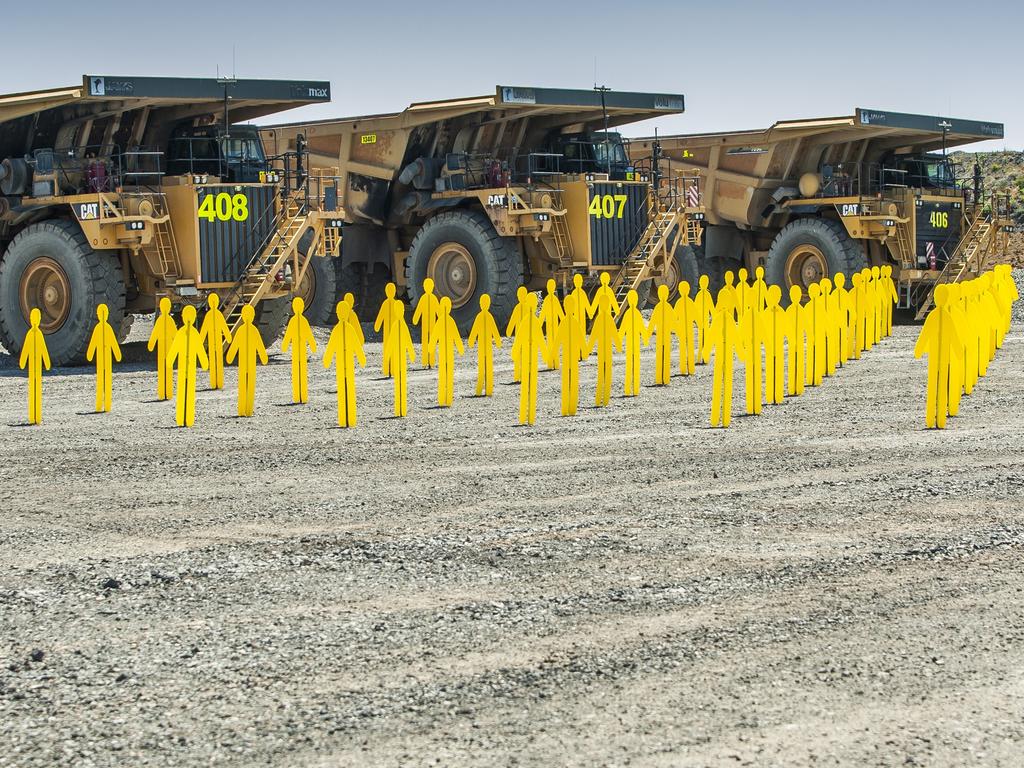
(51, 266)
(807, 250)
(318, 289)
(683, 267)
(272, 318)
(365, 282)
(466, 258)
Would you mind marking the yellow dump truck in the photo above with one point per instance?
(808, 198)
(486, 193)
(124, 190)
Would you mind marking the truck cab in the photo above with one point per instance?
(926, 171)
(595, 152)
(234, 156)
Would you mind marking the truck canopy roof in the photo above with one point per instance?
(891, 130)
(30, 119)
(556, 107)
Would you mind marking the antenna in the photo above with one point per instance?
(603, 89)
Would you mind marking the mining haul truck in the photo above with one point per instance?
(125, 190)
(485, 194)
(809, 198)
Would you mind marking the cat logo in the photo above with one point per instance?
(495, 200)
(849, 209)
(88, 211)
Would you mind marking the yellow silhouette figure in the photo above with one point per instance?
(513, 324)
(528, 348)
(187, 351)
(870, 309)
(632, 334)
(345, 348)
(214, 333)
(892, 297)
(444, 340)
(728, 289)
(742, 293)
(662, 325)
(382, 324)
(703, 311)
(843, 317)
(605, 337)
(34, 358)
(880, 300)
(815, 311)
(723, 340)
(484, 335)
(958, 366)
(247, 345)
(759, 291)
(686, 319)
(104, 347)
(753, 341)
(941, 342)
(830, 309)
(583, 310)
(796, 339)
(571, 341)
(551, 315)
(773, 324)
(299, 336)
(353, 318)
(401, 352)
(604, 291)
(966, 322)
(425, 315)
(160, 339)
(857, 298)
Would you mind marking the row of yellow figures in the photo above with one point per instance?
(961, 337)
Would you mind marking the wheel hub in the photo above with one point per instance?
(453, 270)
(306, 289)
(805, 265)
(45, 286)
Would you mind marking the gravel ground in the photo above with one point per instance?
(827, 584)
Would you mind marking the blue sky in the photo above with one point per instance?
(739, 64)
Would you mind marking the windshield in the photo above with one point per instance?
(610, 153)
(243, 150)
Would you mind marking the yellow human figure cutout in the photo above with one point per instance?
(881, 298)
(870, 308)
(939, 340)
(816, 329)
(753, 341)
(830, 306)
(966, 323)
(857, 298)
(401, 351)
(103, 346)
(983, 321)
(686, 319)
(842, 310)
(604, 292)
(662, 325)
(382, 324)
(703, 311)
(724, 342)
(484, 335)
(796, 338)
(773, 334)
(425, 315)
(298, 336)
(605, 337)
(528, 348)
(444, 341)
(583, 309)
(991, 308)
(160, 339)
(742, 293)
(957, 366)
(187, 351)
(999, 306)
(34, 358)
(551, 314)
(632, 334)
(214, 333)
(892, 298)
(247, 345)
(571, 342)
(1005, 273)
(344, 348)
(728, 288)
(759, 291)
(353, 318)
(513, 324)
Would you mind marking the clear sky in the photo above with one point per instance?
(739, 64)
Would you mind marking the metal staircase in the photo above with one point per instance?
(563, 242)
(260, 275)
(652, 244)
(967, 258)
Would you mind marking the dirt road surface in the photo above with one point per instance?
(826, 584)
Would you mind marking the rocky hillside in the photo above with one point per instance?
(1003, 173)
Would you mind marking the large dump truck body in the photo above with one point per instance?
(879, 179)
(540, 168)
(149, 188)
